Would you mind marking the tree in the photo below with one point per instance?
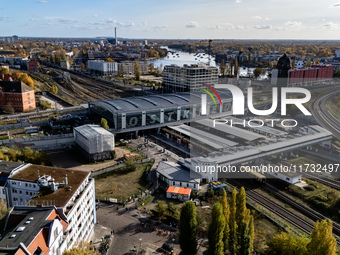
(81, 249)
(223, 67)
(161, 208)
(109, 60)
(216, 231)
(288, 244)
(103, 123)
(232, 223)
(322, 241)
(244, 239)
(242, 213)
(8, 108)
(259, 71)
(54, 89)
(137, 71)
(187, 229)
(226, 212)
(236, 67)
(251, 233)
(4, 71)
(308, 63)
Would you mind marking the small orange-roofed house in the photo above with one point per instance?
(179, 193)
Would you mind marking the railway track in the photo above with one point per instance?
(302, 224)
(325, 180)
(324, 117)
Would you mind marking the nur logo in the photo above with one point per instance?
(204, 98)
(238, 104)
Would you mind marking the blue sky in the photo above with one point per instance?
(185, 19)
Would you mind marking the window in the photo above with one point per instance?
(26, 184)
(180, 184)
(288, 179)
(173, 183)
(30, 193)
(187, 185)
(194, 186)
(33, 185)
(38, 251)
(20, 192)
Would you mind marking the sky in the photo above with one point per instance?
(175, 19)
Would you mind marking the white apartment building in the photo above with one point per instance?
(189, 78)
(103, 68)
(71, 192)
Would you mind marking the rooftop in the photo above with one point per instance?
(90, 131)
(27, 222)
(131, 104)
(178, 190)
(14, 87)
(176, 172)
(8, 166)
(62, 195)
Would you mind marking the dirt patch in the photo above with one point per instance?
(65, 159)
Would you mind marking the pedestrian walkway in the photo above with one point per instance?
(100, 234)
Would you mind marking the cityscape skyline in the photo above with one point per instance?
(237, 19)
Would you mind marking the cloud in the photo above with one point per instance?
(241, 27)
(144, 23)
(94, 15)
(224, 26)
(238, 1)
(259, 17)
(293, 24)
(262, 27)
(4, 18)
(157, 28)
(42, 2)
(335, 5)
(330, 24)
(192, 24)
(110, 21)
(61, 20)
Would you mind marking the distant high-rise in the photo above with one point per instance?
(116, 42)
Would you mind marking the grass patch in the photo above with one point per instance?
(301, 161)
(121, 183)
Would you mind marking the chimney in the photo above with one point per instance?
(66, 180)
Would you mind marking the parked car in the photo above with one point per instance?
(167, 247)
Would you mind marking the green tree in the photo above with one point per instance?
(223, 67)
(226, 212)
(103, 123)
(251, 233)
(54, 89)
(259, 71)
(322, 241)
(173, 210)
(287, 244)
(187, 229)
(232, 223)
(4, 71)
(161, 208)
(216, 230)
(137, 71)
(244, 239)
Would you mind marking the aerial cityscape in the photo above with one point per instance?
(180, 127)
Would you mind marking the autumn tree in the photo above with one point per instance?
(109, 60)
(322, 241)
(137, 71)
(258, 71)
(226, 213)
(235, 67)
(232, 246)
(288, 244)
(216, 231)
(223, 67)
(187, 229)
(104, 124)
(81, 249)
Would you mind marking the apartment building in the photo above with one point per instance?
(188, 78)
(17, 95)
(34, 230)
(71, 192)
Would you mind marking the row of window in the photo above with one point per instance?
(26, 184)
(20, 192)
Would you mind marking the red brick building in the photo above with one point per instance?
(17, 95)
(314, 73)
(33, 66)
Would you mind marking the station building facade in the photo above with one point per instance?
(155, 111)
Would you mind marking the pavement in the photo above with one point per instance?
(100, 232)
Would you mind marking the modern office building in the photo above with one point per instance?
(155, 111)
(71, 192)
(188, 78)
(102, 67)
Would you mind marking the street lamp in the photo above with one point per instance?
(140, 244)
